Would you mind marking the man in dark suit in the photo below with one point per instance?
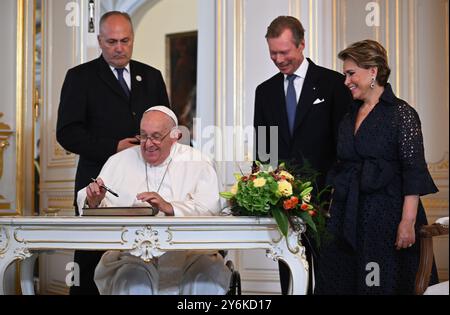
(102, 102)
(306, 102)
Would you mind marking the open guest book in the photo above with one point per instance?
(120, 211)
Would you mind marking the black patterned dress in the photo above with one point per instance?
(379, 165)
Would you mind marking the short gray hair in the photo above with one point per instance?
(115, 13)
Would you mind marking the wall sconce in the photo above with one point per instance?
(91, 8)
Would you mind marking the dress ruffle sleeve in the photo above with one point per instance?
(417, 179)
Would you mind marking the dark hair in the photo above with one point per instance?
(282, 23)
(369, 53)
(118, 13)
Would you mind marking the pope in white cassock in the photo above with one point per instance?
(179, 181)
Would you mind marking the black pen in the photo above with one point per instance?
(104, 187)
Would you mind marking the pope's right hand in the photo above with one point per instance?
(95, 193)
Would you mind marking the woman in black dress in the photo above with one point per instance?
(380, 175)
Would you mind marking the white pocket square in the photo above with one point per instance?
(318, 101)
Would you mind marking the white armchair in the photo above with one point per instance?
(426, 259)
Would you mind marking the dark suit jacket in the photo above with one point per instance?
(316, 125)
(94, 113)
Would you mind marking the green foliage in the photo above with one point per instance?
(258, 199)
(282, 220)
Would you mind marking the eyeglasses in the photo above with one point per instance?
(157, 140)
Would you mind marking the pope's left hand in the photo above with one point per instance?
(156, 201)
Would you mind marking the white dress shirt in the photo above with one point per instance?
(299, 80)
(126, 75)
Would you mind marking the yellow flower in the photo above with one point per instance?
(285, 188)
(234, 189)
(259, 182)
(286, 175)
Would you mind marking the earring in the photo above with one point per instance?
(372, 84)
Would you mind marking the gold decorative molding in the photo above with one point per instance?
(439, 170)
(5, 206)
(62, 202)
(5, 132)
(22, 12)
(3, 145)
(61, 157)
(435, 203)
(3, 126)
(59, 150)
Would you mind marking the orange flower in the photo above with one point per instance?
(304, 206)
(294, 201)
(312, 213)
(287, 204)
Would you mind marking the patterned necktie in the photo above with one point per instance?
(291, 102)
(122, 82)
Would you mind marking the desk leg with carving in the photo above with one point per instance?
(292, 252)
(26, 275)
(5, 262)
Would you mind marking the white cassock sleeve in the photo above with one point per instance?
(203, 196)
(120, 173)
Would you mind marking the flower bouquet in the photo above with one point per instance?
(277, 193)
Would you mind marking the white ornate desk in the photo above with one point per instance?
(146, 237)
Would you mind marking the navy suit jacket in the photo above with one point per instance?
(316, 125)
(95, 114)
